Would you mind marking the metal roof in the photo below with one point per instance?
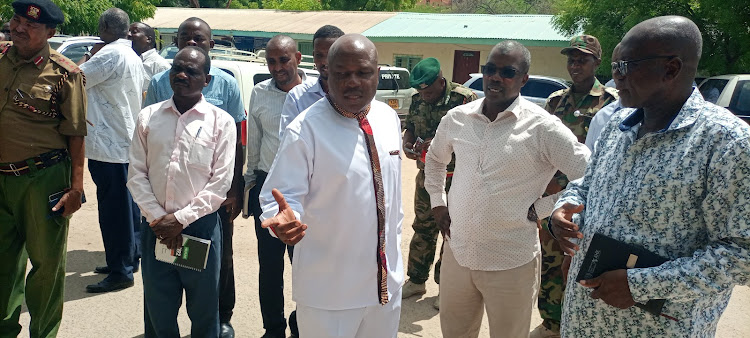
(267, 22)
(468, 29)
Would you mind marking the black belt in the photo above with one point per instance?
(40, 162)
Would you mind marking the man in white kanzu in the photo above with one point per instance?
(507, 150)
(339, 169)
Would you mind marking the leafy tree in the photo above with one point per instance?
(724, 25)
(368, 5)
(294, 5)
(504, 6)
(82, 17)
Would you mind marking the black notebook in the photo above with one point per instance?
(607, 254)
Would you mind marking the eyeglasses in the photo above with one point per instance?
(507, 72)
(622, 65)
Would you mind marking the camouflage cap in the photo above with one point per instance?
(424, 73)
(588, 44)
(41, 11)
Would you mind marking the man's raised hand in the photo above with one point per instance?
(285, 225)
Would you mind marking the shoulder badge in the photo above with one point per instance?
(462, 90)
(64, 62)
(612, 91)
(558, 93)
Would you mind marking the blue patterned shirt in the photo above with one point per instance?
(683, 193)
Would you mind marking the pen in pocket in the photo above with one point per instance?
(199, 132)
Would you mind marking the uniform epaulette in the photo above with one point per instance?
(612, 91)
(462, 90)
(560, 93)
(64, 62)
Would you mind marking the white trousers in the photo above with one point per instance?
(377, 321)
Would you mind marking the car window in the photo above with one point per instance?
(54, 45)
(740, 104)
(391, 79)
(540, 88)
(711, 89)
(76, 52)
(477, 85)
(228, 72)
(258, 78)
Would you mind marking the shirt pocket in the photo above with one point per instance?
(201, 154)
(37, 97)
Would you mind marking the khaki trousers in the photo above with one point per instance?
(508, 296)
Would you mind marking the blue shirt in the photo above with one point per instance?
(222, 92)
(298, 99)
(682, 193)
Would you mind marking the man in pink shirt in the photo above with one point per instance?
(179, 181)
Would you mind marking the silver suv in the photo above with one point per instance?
(73, 47)
(394, 89)
(536, 90)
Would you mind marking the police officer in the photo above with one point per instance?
(434, 97)
(576, 107)
(42, 129)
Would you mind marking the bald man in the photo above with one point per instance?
(671, 174)
(263, 118)
(338, 176)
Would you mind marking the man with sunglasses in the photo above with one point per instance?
(575, 106)
(507, 150)
(434, 97)
(670, 175)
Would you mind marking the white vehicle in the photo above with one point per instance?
(729, 91)
(394, 89)
(73, 47)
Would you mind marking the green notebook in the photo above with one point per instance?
(192, 255)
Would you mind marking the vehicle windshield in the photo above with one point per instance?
(393, 79)
(540, 88)
(740, 104)
(55, 45)
(478, 84)
(711, 89)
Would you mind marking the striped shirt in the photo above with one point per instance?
(298, 99)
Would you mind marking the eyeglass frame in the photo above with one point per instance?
(500, 71)
(622, 65)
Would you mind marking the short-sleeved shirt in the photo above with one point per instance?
(222, 92)
(424, 118)
(23, 133)
(564, 105)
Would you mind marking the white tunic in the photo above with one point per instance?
(323, 169)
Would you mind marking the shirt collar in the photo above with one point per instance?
(687, 115)
(148, 54)
(122, 41)
(447, 95)
(198, 107)
(596, 90)
(514, 107)
(38, 60)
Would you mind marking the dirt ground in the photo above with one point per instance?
(120, 314)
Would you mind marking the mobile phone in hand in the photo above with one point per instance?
(55, 198)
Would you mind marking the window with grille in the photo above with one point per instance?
(406, 61)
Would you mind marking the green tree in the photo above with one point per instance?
(725, 26)
(504, 6)
(368, 5)
(82, 17)
(294, 5)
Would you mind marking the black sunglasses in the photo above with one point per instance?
(622, 65)
(507, 72)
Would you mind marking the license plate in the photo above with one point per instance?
(393, 103)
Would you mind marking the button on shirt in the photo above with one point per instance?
(153, 63)
(681, 193)
(502, 167)
(324, 171)
(114, 83)
(186, 172)
(222, 92)
(298, 99)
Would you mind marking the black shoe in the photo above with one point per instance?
(227, 331)
(110, 284)
(106, 271)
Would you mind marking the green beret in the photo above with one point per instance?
(41, 11)
(424, 73)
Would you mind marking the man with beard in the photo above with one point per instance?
(263, 118)
(338, 201)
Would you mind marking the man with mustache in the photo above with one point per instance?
(507, 149)
(339, 172)
(263, 119)
(312, 90)
(42, 130)
(222, 91)
(182, 165)
(575, 106)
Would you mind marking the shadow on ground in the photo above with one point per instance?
(413, 310)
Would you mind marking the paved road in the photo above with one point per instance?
(120, 314)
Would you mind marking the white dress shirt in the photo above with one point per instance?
(186, 172)
(599, 121)
(154, 64)
(301, 97)
(502, 167)
(114, 82)
(263, 118)
(323, 170)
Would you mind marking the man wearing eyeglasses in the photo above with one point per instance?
(671, 174)
(507, 149)
(575, 106)
(434, 97)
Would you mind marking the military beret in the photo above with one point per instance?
(41, 11)
(588, 44)
(424, 73)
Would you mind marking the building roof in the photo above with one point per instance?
(267, 22)
(531, 30)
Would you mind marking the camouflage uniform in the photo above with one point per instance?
(423, 120)
(577, 116)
